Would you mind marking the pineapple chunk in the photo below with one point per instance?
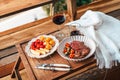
(52, 42)
(46, 50)
(34, 52)
(42, 38)
(41, 52)
(48, 47)
(48, 39)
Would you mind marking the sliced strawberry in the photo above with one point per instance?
(41, 42)
(35, 43)
(42, 46)
(33, 47)
(38, 40)
(38, 46)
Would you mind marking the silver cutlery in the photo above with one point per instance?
(56, 67)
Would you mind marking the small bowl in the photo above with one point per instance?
(87, 41)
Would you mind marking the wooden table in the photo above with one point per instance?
(38, 74)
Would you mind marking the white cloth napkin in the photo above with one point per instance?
(105, 31)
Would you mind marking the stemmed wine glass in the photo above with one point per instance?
(58, 18)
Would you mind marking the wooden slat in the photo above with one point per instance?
(8, 51)
(16, 68)
(103, 6)
(18, 75)
(9, 6)
(25, 26)
(115, 13)
(7, 69)
(8, 59)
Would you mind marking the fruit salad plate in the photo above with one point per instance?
(42, 46)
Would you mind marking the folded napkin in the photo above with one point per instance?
(104, 30)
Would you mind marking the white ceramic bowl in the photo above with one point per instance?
(29, 53)
(87, 41)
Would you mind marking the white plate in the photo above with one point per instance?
(27, 48)
(87, 41)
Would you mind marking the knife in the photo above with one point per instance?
(53, 68)
(54, 65)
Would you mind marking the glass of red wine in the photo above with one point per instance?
(58, 17)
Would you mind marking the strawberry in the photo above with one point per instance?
(37, 40)
(41, 42)
(33, 44)
(33, 47)
(42, 46)
(38, 46)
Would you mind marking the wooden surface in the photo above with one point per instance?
(9, 6)
(44, 74)
(30, 64)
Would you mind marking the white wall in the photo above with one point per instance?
(22, 18)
